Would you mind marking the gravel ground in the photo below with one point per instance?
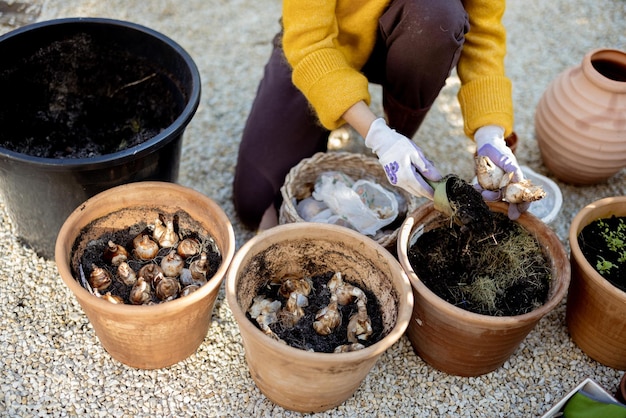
(52, 363)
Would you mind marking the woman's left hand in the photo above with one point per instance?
(490, 143)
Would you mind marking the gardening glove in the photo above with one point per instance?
(404, 162)
(490, 143)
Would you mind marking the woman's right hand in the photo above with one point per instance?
(404, 162)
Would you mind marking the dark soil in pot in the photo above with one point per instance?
(603, 243)
(302, 334)
(76, 98)
(504, 273)
(95, 255)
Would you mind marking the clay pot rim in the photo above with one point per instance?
(171, 131)
(598, 78)
(78, 217)
(615, 205)
(404, 306)
(526, 219)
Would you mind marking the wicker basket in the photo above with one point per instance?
(300, 181)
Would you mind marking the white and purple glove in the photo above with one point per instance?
(490, 143)
(404, 162)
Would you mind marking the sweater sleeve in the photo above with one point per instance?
(485, 95)
(322, 70)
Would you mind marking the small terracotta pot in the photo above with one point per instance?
(156, 336)
(596, 310)
(580, 120)
(296, 379)
(464, 343)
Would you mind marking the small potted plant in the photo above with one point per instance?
(146, 261)
(596, 302)
(288, 256)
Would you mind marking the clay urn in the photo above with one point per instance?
(580, 120)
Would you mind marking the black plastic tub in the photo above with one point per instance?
(43, 185)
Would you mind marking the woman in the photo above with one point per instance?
(317, 80)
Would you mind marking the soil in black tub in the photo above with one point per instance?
(76, 98)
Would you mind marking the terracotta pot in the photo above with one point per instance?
(156, 336)
(464, 343)
(596, 310)
(296, 379)
(580, 120)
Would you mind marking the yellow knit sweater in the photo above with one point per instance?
(327, 42)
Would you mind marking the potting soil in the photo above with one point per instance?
(78, 99)
(503, 274)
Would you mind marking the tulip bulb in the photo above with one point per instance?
(348, 348)
(166, 236)
(141, 293)
(360, 325)
(492, 177)
(99, 279)
(198, 269)
(114, 253)
(151, 273)
(293, 312)
(126, 274)
(291, 284)
(187, 290)
(113, 299)
(167, 289)
(188, 247)
(264, 311)
(186, 279)
(172, 264)
(144, 247)
(328, 318)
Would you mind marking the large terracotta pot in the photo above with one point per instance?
(464, 343)
(580, 120)
(312, 381)
(156, 336)
(596, 310)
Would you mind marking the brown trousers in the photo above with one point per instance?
(412, 58)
